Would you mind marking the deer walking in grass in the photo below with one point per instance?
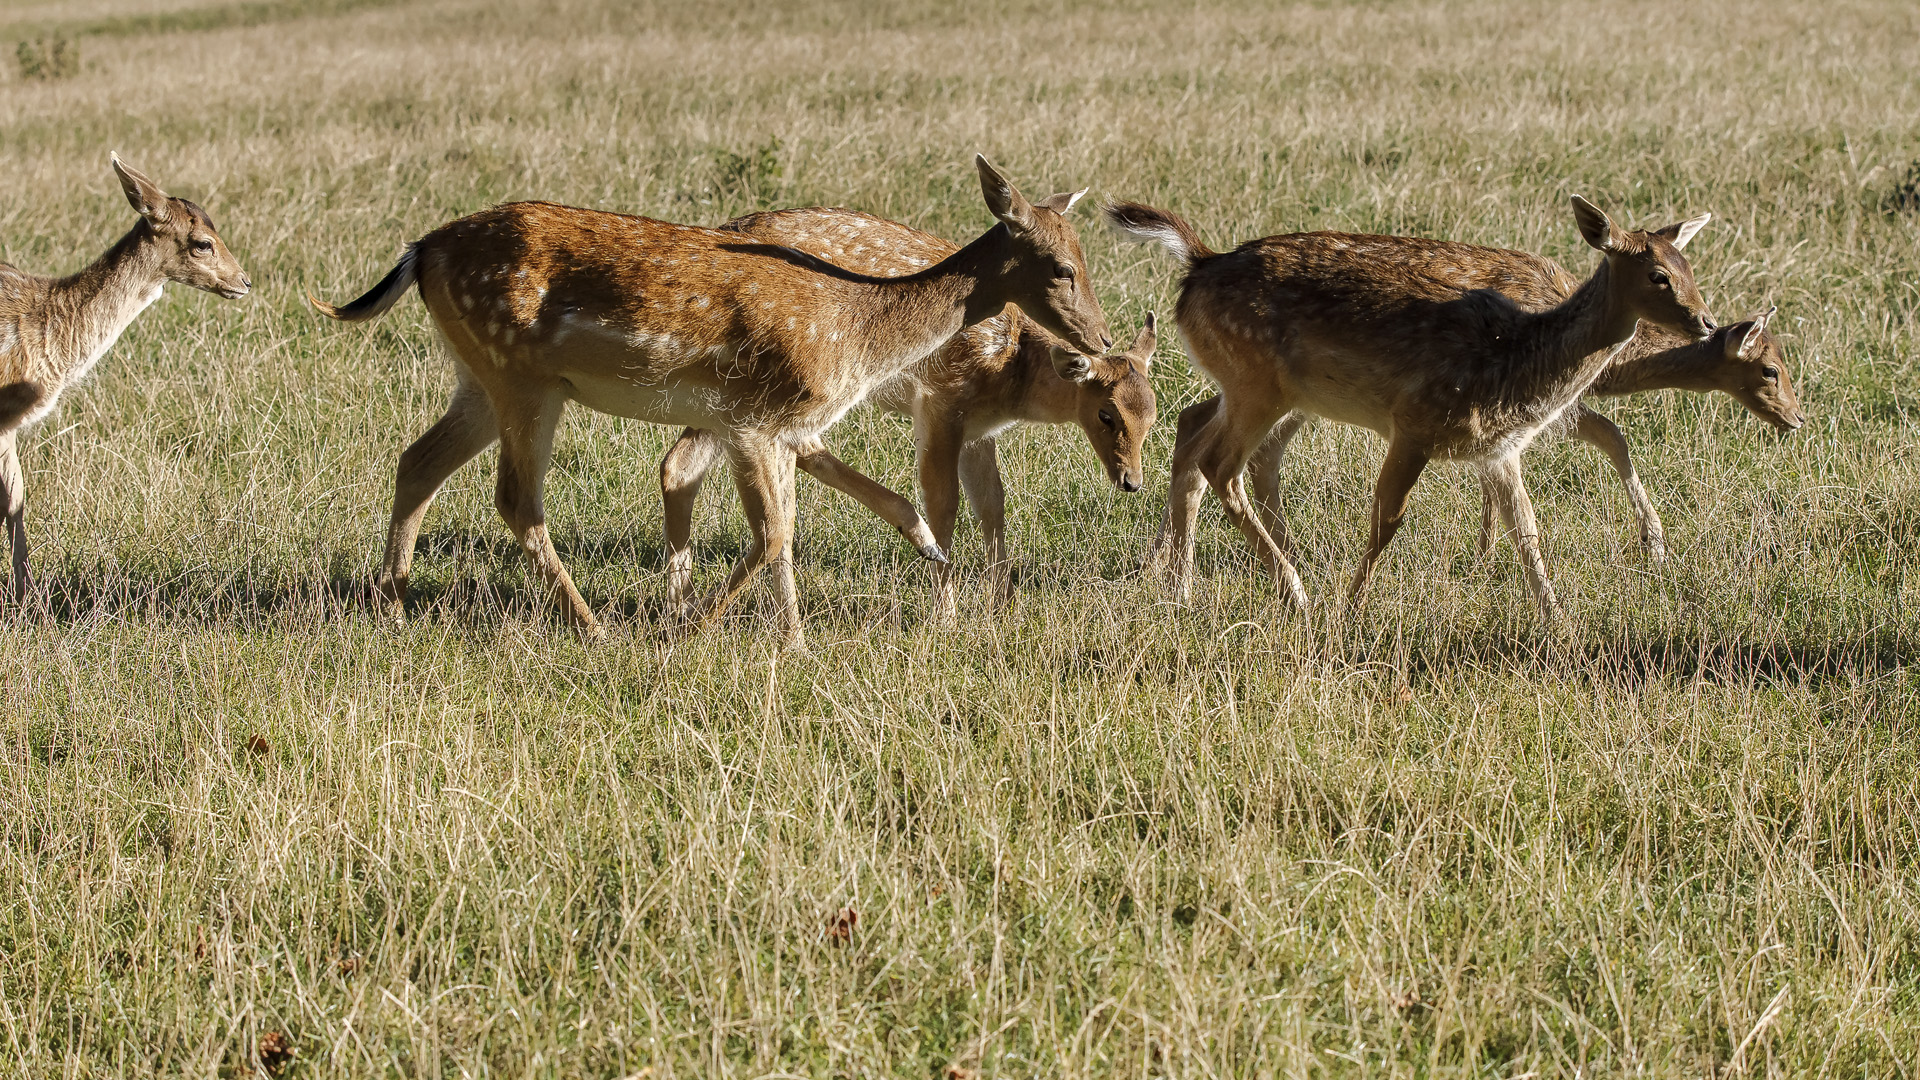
(1743, 361)
(997, 373)
(762, 345)
(1372, 331)
(53, 330)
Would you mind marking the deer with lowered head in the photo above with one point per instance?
(984, 380)
(1743, 361)
(764, 346)
(1372, 331)
(53, 330)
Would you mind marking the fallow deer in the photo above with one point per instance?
(1372, 331)
(763, 345)
(989, 377)
(1743, 361)
(53, 330)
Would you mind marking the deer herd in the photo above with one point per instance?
(757, 336)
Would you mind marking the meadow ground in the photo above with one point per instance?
(1102, 836)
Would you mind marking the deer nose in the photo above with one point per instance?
(1128, 483)
(1106, 342)
(246, 282)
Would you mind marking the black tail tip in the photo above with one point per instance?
(16, 400)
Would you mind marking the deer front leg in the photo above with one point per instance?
(1397, 475)
(13, 503)
(682, 471)
(1600, 432)
(467, 428)
(763, 477)
(939, 454)
(980, 478)
(526, 449)
(1264, 468)
(892, 507)
(1172, 549)
(1508, 488)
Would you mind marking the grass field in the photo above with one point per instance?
(1100, 836)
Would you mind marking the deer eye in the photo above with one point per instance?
(203, 247)
(1660, 278)
(1106, 418)
(1063, 270)
(1770, 373)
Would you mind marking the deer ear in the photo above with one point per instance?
(1683, 232)
(1003, 198)
(1062, 202)
(1596, 227)
(143, 194)
(1141, 351)
(1070, 365)
(1750, 342)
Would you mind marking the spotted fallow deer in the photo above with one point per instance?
(763, 345)
(990, 376)
(53, 330)
(1743, 361)
(1372, 331)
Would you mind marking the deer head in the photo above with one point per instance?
(1114, 403)
(1754, 373)
(1648, 277)
(1041, 267)
(191, 252)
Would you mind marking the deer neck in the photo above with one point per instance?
(1572, 342)
(911, 317)
(1038, 394)
(86, 313)
(1682, 367)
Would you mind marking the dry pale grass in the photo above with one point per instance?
(245, 827)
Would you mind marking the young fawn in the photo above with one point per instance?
(992, 375)
(1371, 331)
(53, 330)
(762, 345)
(1743, 361)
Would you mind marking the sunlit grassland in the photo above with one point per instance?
(1101, 835)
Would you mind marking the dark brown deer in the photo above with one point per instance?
(53, 330)
(1743, 361)
(763, 345)
(1373, 331)
(989, 377)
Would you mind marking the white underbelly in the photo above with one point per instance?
(669, 402)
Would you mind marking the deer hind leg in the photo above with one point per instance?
(939, 459)
(527, 425)
(892, 507)
(467, 427)
(1226, 444)
(980, 478)
(1600, 432)
(1503, 479)
(682, 471)
(13, 503)
(1486, 541)
(1264, 469)
(1397, 475)
(1172, 549)
(763, 476)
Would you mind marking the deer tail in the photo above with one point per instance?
(1150, 225)
(379, 298)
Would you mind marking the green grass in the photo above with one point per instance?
(1100, 836)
